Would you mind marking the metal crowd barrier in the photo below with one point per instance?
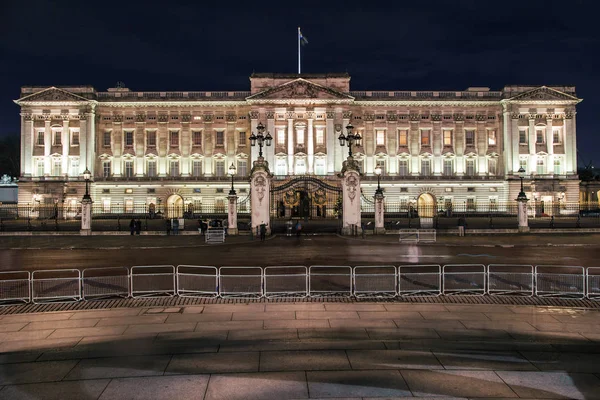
(408, 235)
(286, 281)
(153, 280)
(512, 279)
(593, 283)
(241, 282)
(214, 235)
(375, 281)
(55, 285)
(97, 283)
(426, 235)
(15, 287)
(463, 279)
(326, 280)
(559, 281)
(419, 280)
(197, 281)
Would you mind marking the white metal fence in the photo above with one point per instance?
(366, 281)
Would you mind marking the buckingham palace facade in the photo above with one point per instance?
(152, 148)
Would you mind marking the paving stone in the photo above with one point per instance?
(565, 327)
(549, 337)
(401, 333)
(228, 325)
(264, 334)
(472, 334)
(295, 307)
(80, 390)
(400, 315)
(565, 362)
(33, 372)
(483, 360)
(356, 383)
(326, 314)
(104, 346)
(60, 324)
(283, 345)
(304, 360)
(499, 325)
(462, 316)
(210, 317)
(296, 323)
(392, 359)
(156, 388)
(429, 324)
(193, 309)
(363, 323)
(17, 326)
(207, 337)
(477, 344)
(416, 307)
(132, 320)
(552, 384)
(26, 335)
(241, 308)
(38, 344)
(456, 383)
(354, 307)
(257, 386)
(530, 318)
(261, 316)
(484, 308)
(119, 312)
(9, 319)
(96, 331)
(119, 367)
(213, 363)
(339, 334)
(18, 357)
(158, 328)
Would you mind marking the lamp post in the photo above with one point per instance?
(232, 171)
(260, 138)
(378, 173)
(87, 175)
(522, 205)
(86, 206)
(521, 195)
(349, 139)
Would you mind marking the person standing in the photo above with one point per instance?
(175, 226)
(132, 226)
(168, 226)
(263, 232)
(298, 229)
(462, 223)
(138, 226)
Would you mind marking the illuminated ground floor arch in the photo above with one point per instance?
(174, 206)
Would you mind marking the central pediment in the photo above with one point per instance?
(543, 93)
(53, 94)
(300, 89)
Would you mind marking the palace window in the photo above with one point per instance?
(128, 205)
(242, 168)
(151, 135)
(493, 203)
(381, 164)
(425, 137)
(471, 204)
(403, 167)
(220, 139)
(152, 168)
(280, 167)
(492, 163)
(300, 167)
(128, 138)
(539, 136)
(129, 169)
(174, 138)
(106, 169)
(197, 138)
(40, 138)
(280, 136)
(242, 137)
(491, 137)
(220, 168)
(40, 167)
(57, 137)
(174, 168)
(403, 138)
(197, 168)
(447, 137)
(106, 139)
(540, 166)
(523, 163)
(470, 138)
(448, 167)
(74, 138)
(470, 168)
(523, 136)
(74, 166)
(556, 135)
(56, 167)
(380, 137)
(300, 136)
(320, 136)
(320, 166)
(425, 167)
(557, 166)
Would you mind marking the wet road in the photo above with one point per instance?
(306, 251)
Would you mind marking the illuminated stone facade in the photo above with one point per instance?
(176, 147)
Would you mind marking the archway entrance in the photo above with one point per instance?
(426, 210)
(174, 206)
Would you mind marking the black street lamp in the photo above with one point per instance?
(232, 173)
(521, 195)
(261, 138)
(87, 175)
(378, 173)
(349, 139)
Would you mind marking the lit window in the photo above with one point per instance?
(220, 138)
(40, 167)
(539, 136)
(448, 167)
(174, 138)
(57, 167)
(491, 137)
(220, 168)
(403, 167)
(74, 138)
(447, 137)
(492, 162)
(197, 138)
(557, 166)
(425, 167)
(280, 167)
(300, 136)
(300, 167)
(523, 163)
(425, 138)
(129, 138)
(320, 166)
(242, 137)
(556, 135)
(129, 169)
(174, 168)
(380, 164)
(280, 136)
(106, 169)
(151, 138)
(320, 137)
(197, 168)
(403, 138)
(380, 137)
(74, 166)
(470, 168)
(540, 166)
(470, 138)
(242, 167)
(471, 203)
(152, 168)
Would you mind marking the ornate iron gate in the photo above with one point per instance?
(315, 202)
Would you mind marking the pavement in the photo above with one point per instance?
(316, 350)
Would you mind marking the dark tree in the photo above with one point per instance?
(10, 156)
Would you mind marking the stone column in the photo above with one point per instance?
(232, 214)
(47, 147)
(379, 213)
(260, 194)
(351, 223)
(270, 150)
(549, 139)
(290, 144)
(570, 142)
(330, 141)
(86, 217)
(66, 143)
(310, 144)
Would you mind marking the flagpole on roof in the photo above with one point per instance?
(299, 36)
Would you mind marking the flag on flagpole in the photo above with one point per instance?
(303, 40)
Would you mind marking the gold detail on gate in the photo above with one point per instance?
(320, 197)
(291, 198)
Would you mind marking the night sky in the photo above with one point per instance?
(216, 45)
